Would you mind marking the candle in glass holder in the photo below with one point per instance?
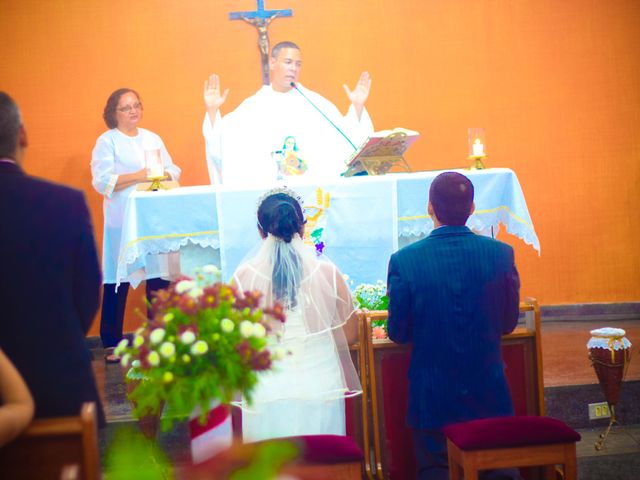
(478, 148)
(477, 142)
(153, 163)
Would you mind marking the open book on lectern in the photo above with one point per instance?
(380, 152)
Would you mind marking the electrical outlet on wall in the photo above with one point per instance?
(599, 410)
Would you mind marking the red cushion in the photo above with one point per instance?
(501, 432)
(328, 449)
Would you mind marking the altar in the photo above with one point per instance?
(357, 222)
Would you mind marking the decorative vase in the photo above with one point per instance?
(212, 436)
(610, 353)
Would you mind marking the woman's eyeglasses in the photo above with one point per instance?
(128, 108)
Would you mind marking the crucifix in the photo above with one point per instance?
(261, 18)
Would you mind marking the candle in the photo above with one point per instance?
(478, 148)
(153, 163)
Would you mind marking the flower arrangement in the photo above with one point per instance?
(204, 342)
(373, 297)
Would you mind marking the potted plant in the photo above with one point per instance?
(203, 346)
(373, 297)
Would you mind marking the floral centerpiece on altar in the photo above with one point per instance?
(204, 342)
(373, 297)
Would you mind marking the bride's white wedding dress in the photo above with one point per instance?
(305, 392)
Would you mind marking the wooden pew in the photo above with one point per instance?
(49, 445)
(387, 364)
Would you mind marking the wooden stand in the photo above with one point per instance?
(381, 154)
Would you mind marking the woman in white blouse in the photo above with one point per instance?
(117, 165)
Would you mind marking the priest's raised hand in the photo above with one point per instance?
(213, 100)
(358, 96)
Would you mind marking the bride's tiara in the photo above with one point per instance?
(284, 190)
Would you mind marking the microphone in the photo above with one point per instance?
(295, 87)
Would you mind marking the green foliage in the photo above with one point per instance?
(131, 456)
(267, 461)
(205, 342)
(371, 296)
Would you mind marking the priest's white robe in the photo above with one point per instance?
(239, 145)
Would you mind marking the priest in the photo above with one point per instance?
(251, 146)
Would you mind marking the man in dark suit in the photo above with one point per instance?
(452, 296)
(50, 281)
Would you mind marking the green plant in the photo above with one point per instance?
(371, 296)
(205, 342)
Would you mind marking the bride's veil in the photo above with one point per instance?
(306, 285)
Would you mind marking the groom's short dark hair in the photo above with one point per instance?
(451, 196)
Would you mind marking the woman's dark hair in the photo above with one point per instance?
(109, 113)
(281, 216)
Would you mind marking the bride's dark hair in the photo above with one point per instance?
(281, 216)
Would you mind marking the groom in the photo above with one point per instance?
(452, 296)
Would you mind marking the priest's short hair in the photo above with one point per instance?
(279, 46)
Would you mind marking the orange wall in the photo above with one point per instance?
(556, 85)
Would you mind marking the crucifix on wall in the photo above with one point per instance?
(261, 18)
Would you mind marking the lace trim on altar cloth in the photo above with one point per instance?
(157, 245)
(481, 221)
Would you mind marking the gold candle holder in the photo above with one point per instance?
(156, 183)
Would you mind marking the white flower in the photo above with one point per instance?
(135, 363)
(199, 348)
(188, 337)
(167, 349)
(227, 325)
(120, 347)
(124, 361)
(157, 335)
(138, 340)
(195, 292)
(211, 270)
(184, 285)
(246, 328)
(258, 330)
(278, 353)
(154, 359)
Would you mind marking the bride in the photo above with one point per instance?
(304, 392)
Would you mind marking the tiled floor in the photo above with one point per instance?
(565, 363)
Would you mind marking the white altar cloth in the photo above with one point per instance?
(361, 225)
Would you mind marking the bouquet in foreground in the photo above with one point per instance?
(205, 342)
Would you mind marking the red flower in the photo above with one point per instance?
(261, 361)
(276, 311)
(248, 300)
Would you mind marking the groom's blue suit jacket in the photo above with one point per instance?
(452, 296)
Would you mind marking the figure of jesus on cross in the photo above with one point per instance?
(261, 18)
